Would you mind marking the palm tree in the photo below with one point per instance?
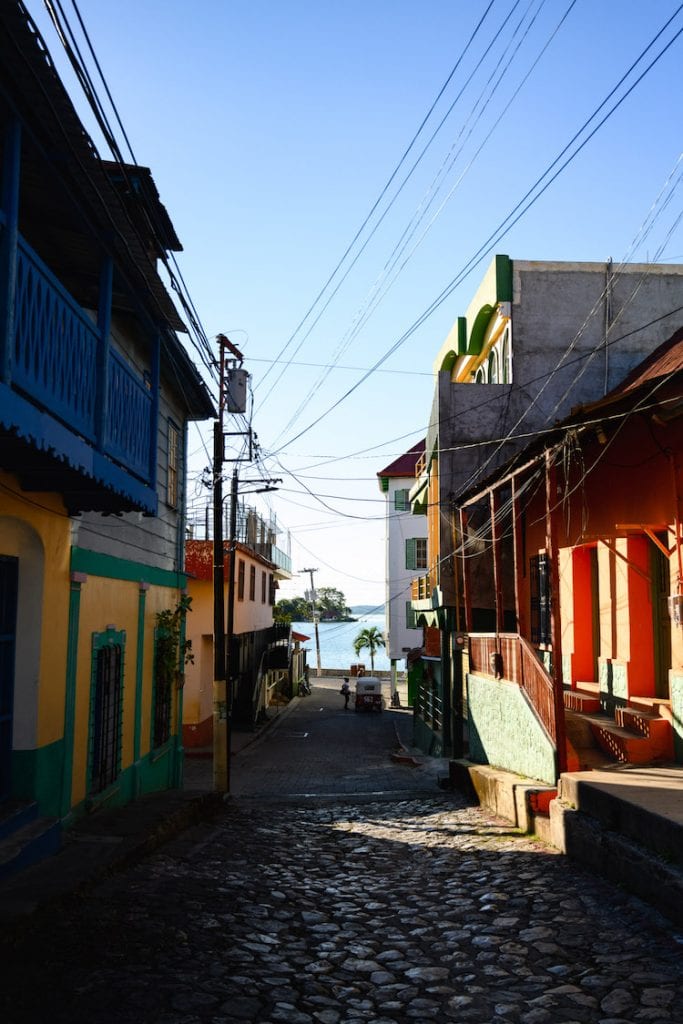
(370, 638)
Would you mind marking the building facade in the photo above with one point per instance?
(96, 392)
(537, 339)
(405, 558)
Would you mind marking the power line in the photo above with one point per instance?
(380, 196)
(522, 207)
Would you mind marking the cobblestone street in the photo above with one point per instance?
(401, 905)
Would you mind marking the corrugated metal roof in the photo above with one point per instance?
(31, 84)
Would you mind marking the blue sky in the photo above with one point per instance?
(272, 127)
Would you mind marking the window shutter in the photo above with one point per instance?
(411, 555)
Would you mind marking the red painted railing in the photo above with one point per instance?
(510, 656)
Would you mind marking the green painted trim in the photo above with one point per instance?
(384, 484)
(139, 663)
(479, 327)
(503, 278)
(108, 637)
(95, 564)
(37, 775)
(462, 335)
(70, 696)
(151, 774)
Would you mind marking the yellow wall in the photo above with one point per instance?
(45, 516)
(104, 602)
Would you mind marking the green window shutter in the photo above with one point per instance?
(411, 555)
(410, 616)
(401, 503)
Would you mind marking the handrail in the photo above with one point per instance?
(510, 656)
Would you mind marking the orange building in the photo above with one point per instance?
(578, 543)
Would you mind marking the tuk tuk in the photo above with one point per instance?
(368, 693)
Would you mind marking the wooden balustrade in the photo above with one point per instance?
(511, 657)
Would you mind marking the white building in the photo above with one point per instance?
(405, 556)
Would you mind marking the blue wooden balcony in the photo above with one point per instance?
(74, 416)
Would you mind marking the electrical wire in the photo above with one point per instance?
(533, 194)
(383, 192)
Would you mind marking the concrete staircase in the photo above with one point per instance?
(640, 733)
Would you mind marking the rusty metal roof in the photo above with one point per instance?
(31, 85)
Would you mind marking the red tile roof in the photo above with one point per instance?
(404, 465)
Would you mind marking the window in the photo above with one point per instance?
(401, 502)
(106, 709)
(272, 585)
(539, 587)
(240, 579)
(252, 582)
(172, 482)
(411, 618)
(263, 587)
(416, 553)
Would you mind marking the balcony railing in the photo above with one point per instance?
(429, 705)
(510, 656)
(55, 367)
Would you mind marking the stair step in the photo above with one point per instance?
(28, 844)
(625, 745)
(14, 814)
(579, 700)
(588, 686)
(653, 705)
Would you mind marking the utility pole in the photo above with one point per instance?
(231, 617)
(220, 709)
(233, 400)
(222, 697)
(315, 618)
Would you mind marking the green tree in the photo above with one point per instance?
(292, 609)
(331, 603)
(370, 638)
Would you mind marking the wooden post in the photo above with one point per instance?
(494, 503)
(466, 582)
(518, 558)
(551, 514)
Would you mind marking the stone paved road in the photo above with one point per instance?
(406, 906)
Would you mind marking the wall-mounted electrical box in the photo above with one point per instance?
(676, 609)
(236, 390)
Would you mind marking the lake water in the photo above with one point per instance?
(336, 643)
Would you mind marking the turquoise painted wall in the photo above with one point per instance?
(677, 710)
(613, 685)
(505, 732)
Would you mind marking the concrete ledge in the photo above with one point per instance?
(644, 804)
(618, 858)
(509, 795)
